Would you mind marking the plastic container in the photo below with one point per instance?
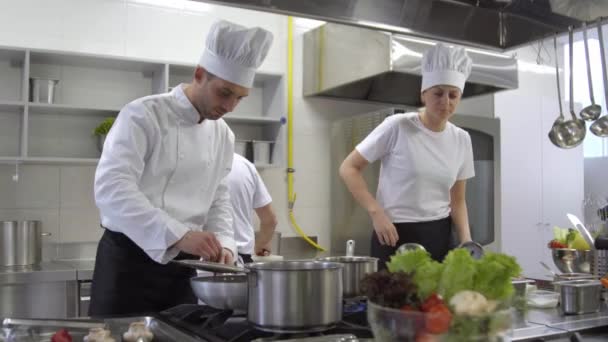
(543, 299)
(392, 325)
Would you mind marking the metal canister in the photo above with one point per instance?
(580, 296)
(20, 243)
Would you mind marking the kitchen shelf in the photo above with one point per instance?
(255, 120)
(47, 161)
(11, 106)
(94, 87)
(45, 108)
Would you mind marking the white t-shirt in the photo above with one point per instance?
(247, 192)
(418, 166)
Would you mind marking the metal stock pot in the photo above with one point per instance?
(355, 268)
(282, 296)
(21, 243)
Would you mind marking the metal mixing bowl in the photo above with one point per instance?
(571, 260)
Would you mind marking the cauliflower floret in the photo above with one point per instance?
(472, 303)
(99, 335)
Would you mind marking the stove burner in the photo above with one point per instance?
(215, 325)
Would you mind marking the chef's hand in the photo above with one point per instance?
(262, 250)
(385, 229)
(227, 257)
(203, 244)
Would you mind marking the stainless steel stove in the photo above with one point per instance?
(214, 325)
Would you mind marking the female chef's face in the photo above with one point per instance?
(441, 101)
(215, 97)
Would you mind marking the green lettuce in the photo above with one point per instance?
(408, 261)
(458, 273)
(494, 273)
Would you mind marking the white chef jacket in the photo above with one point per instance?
(247, 192)
(162, 174)
(418, 166)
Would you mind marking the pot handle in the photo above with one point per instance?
(210, 266)
(350, 248)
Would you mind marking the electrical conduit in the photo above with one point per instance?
(291, 196)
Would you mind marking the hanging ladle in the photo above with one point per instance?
(600, 126)
(566, 133)
(592, 111)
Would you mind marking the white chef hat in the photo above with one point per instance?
(233, 52)
(443, 65)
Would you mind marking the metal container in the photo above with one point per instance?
(262, 152)
(294, 296)
(42, 90)
(21, 243)
(580, 296)
(355, 268)
(520, 286)
(222, 291)
(559, 277)
(570, 260)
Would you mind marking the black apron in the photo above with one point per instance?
(247, 259)
(435, 236)
(126, 281)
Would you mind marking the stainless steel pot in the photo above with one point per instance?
(355, 268)
(21, 243)
(288, 296)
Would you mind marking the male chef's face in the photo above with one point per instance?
(441, 101)
(215, 97)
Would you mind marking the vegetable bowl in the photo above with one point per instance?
(458, 300)
(392, 325)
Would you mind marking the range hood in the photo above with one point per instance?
(354, 63)
(491, 24)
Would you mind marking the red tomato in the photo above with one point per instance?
(61, 336)
(438, 319)
(431, 301)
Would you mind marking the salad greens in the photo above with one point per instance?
(491, 275)
(104, 127)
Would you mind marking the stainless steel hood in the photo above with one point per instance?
(494, 24)
(349, 62)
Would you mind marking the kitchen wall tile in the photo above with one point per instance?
(49, 218)
(96, 26)
(151, 31)
(77, 186)
(79, 225)
(38, 187)
(8, 187)
(33, 23)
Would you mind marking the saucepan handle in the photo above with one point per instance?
(210, 266)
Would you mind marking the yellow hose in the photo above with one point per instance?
(291, 196)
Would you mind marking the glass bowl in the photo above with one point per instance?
(392, 325)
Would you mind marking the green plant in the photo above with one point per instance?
(104, 127)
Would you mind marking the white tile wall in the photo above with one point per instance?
(172, 31)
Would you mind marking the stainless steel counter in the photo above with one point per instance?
(550, 324)
(84, 267)
(43, 272)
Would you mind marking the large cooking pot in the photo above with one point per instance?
(282, 296)
(20, 243)
(355, 268)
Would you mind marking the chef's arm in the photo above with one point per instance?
(122, 205)
(459, 213)
(268, 224)
(219, 220)
(351, 172)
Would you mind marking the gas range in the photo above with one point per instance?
(215, 325)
